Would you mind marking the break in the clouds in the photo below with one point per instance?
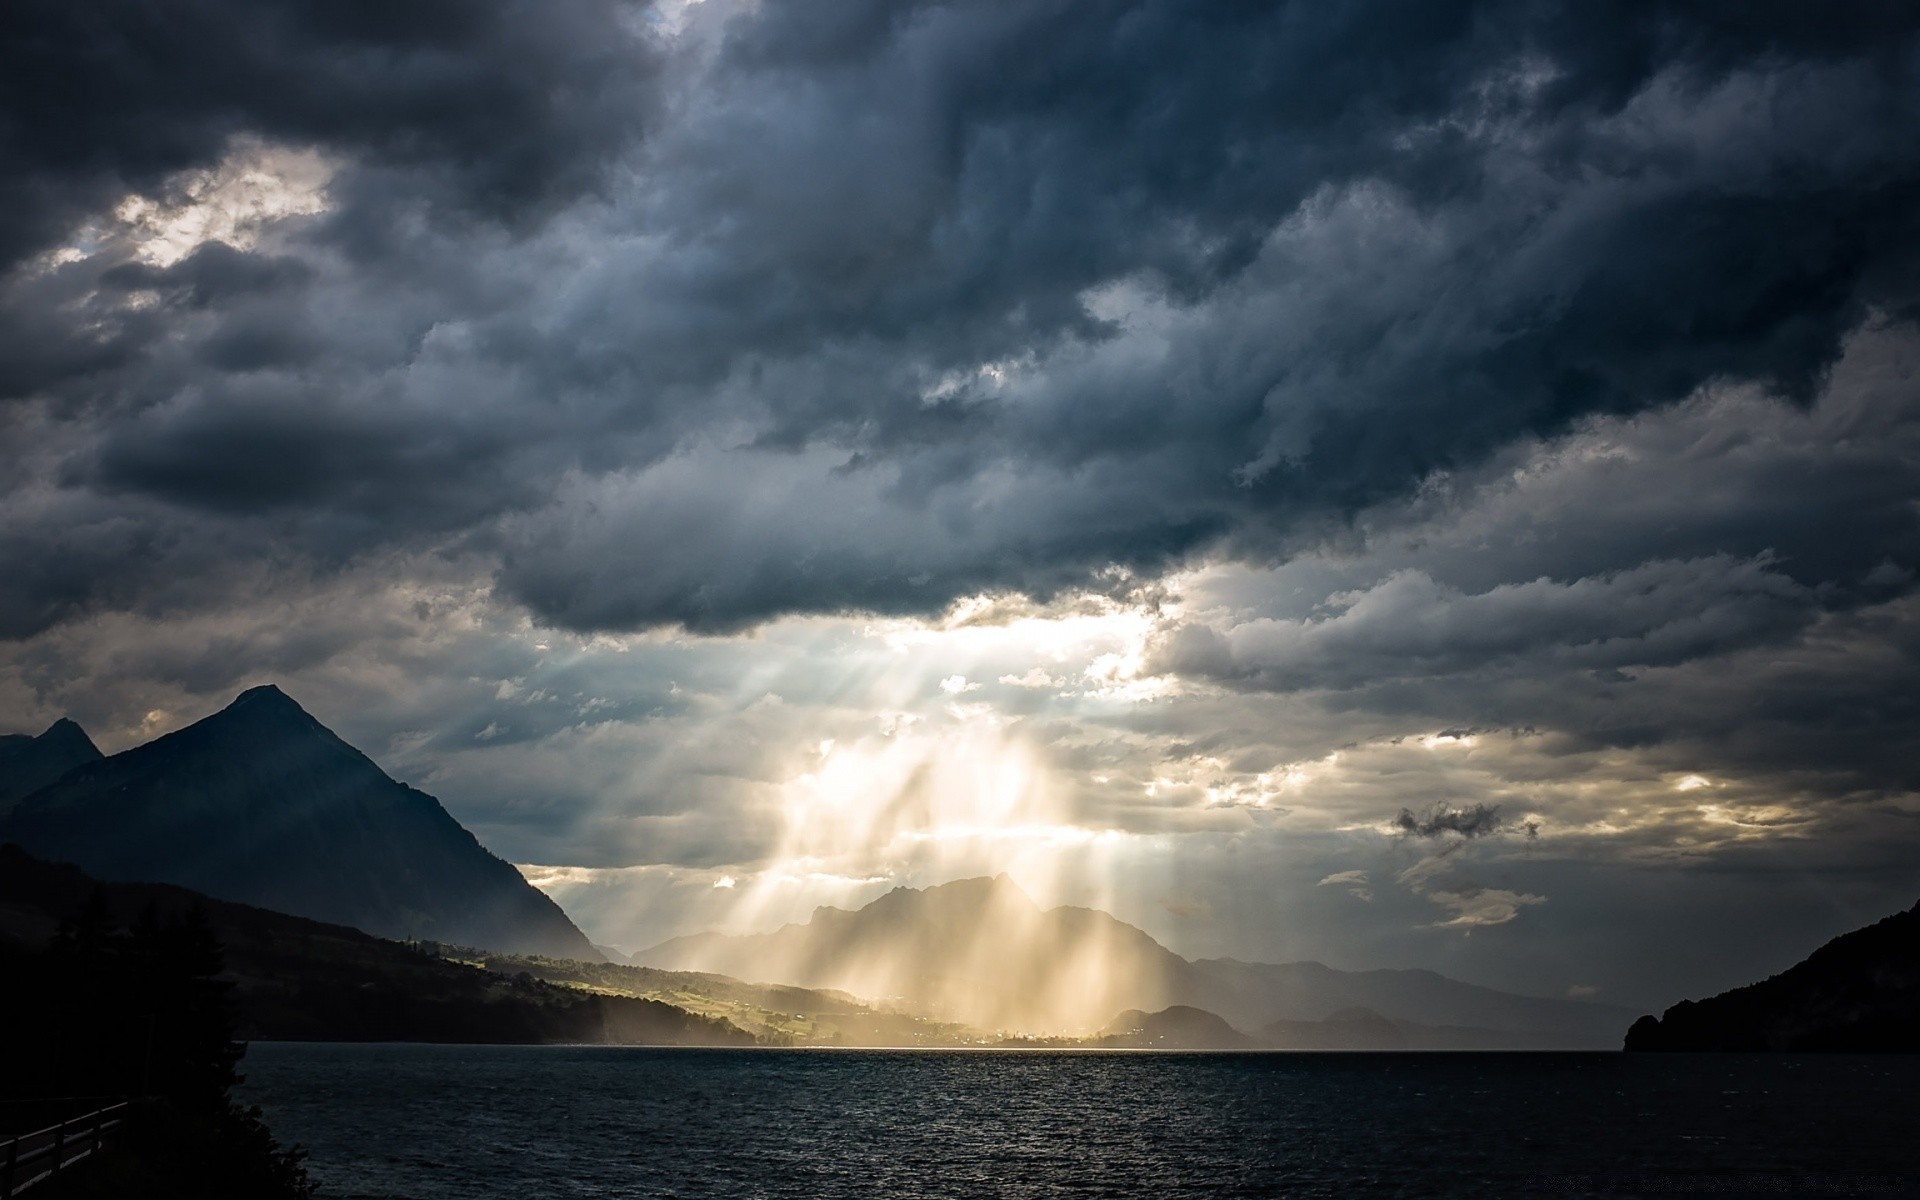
(631, 421)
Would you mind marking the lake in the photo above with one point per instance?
(433, 1122)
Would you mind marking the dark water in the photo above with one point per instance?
(461, 1121)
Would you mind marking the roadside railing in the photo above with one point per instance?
(37, 1157)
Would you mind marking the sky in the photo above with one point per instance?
(1398, 484)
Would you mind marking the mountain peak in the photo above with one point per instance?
(30, 763)
(980, 886)
(66, 732)
(267, 694)
(971, 899)
(267, 705)
(263, 804)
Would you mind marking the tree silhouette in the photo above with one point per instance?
(140, 1012)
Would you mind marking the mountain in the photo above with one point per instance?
(28, 763)
(1348, 1029)
(1860, 992)
(301, 980)
(982, 953)
(262, 804)
(976, 951)
(1177, 1028)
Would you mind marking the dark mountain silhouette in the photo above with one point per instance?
(28, 763)
(1177, 1028)
(261, 803)
(1859, 992)
(981, 952)
(301, 980)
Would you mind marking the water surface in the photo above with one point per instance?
(444, 1122)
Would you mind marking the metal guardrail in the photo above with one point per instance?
(37, 1157)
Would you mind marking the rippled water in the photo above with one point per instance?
(431, 1122)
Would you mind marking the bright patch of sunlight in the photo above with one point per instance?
(230, 202)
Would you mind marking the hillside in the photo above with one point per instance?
(297, 979)
(1860, 992)
(1177, 1028)
(776, 1014)
(262, 804)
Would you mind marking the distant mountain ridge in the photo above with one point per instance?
(1858, 993)
(262, 804)
(1252, 995)
(981, 952)
(1348, 1029)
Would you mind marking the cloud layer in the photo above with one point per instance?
(1277, 417)
(785, 308)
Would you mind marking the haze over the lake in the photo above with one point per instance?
(1398, 484)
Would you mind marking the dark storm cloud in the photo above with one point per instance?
(1478, 821)
(1515, 253)
(839, 305)
(1564, 586)
(486, 109)
(1408, 625)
